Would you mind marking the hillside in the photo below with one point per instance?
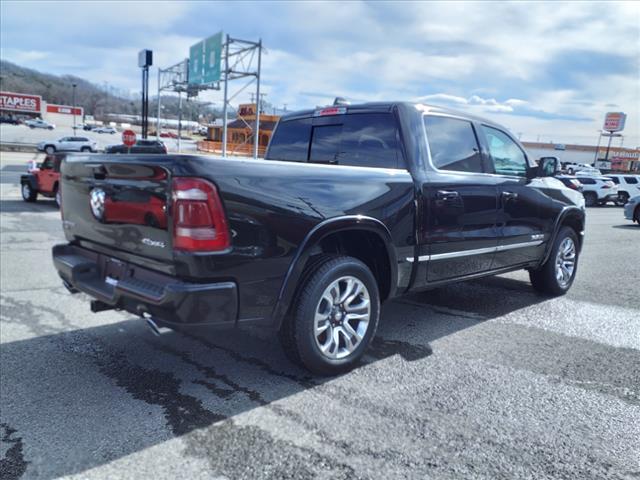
(96, 100)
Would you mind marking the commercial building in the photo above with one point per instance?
(24, 106)
(619, 160)
(240, 133)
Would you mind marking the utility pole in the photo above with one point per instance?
(226, 92)
(597, 148)
(73, 85)
(158, 119)
(256, 134)
(179, 119)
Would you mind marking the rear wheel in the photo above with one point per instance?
(50, 149)
(623, 198)
(28, 193)
(590, 199)
(57, 196)
(636, 215)
(556, 275)
(85, 149)
(335, 316)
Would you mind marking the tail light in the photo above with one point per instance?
(199, 221)
(605, 185)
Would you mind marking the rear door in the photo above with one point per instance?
(525, 217)
(460, 201)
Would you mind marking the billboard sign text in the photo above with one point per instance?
(20, 102)
(614, 121)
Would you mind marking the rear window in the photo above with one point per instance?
(587, 181)
(364, 140)
(633, 180)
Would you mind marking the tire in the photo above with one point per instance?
(49, 128)
(50, 149)
(636, 215)
(85, 149)
(57, 196)
(28, 193)
(622, 199)
(590, 199)
(564, 250)
(570, 171)
(318, 352)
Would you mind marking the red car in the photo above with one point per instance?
(43, 178)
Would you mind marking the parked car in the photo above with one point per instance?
(572, 168)
(89, 128)
(141, 146)
(598, 190)
(168, 135)
(39, 123)
(68, 144)
(9, 119)
(353, 205)
(571, 182)
(632, 209)
(628, 186)
(43, 178)
(110, 130)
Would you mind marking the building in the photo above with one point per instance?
(240, 133)
(24, 106)
(619, 160)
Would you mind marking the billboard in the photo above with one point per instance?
(204, 60)
(20, 102)
(614, 121)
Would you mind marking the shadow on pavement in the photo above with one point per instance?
(94, 395)
(43, 204)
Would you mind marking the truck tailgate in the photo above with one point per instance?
(118, 203)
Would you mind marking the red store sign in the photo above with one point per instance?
(51, 108)
(20, 102)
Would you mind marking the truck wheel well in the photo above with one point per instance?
(367, 247)
(573, 222)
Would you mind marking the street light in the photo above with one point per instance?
(74, 108)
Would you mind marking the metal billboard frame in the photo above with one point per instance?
(242, 59)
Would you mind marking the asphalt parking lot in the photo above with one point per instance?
(484, 379)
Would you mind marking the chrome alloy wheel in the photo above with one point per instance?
(565, 262)
(342, 317)
(26, 190)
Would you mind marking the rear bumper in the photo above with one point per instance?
(121, 285)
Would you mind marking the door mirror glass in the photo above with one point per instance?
(547, 166)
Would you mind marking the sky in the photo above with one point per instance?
(548, 71)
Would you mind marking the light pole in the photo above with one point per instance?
(74, 108)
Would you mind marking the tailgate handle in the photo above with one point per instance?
(99, 172)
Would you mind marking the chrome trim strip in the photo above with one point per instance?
(477, 251)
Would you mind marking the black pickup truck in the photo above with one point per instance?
(352, 206)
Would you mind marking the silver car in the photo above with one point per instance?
(632, 209)
(68, 144)
(39, 123)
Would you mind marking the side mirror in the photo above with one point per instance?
(548, 166)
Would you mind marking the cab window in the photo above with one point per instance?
(507, 157)
(453, 144)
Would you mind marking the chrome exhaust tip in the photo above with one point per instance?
(155, 329)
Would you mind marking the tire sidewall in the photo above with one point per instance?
(49, 150)
(26, 198)
(590, 199)
(309, 350)
(564, 233)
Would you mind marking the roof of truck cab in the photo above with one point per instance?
(386, 107)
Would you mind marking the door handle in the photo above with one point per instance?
(506, 196)
(447, 195)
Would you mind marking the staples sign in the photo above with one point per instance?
(20, 102)
(614, 121)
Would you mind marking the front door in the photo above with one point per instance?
(523, 219)
(461, 202)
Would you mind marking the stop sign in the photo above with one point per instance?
(129, 138)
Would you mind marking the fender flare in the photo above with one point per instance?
(565, 213)
(313, 238)
(31, 179)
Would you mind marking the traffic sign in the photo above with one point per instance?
(129, 138)
(196, 53)
(204, 60)
(614, 121)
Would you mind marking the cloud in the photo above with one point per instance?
(545, 63)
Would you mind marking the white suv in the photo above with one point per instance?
(573, 168)
(68, 144)
(628, 186)
(598, 190)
